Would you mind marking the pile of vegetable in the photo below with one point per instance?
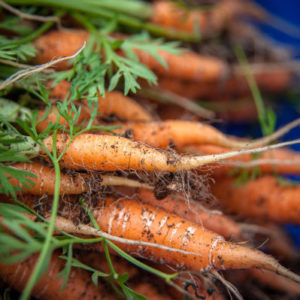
(114, 182)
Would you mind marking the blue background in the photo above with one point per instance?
(290, 12)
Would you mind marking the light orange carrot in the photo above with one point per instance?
(49, 286)
(274, 281)
(56, 44)
(76, 183)
(114, 103)
(44, 182)
(110, 153)
(181, 133)
(188, 65)
(207, 21)
(192, 211)
(195, 247)
(123, 107)
(263, 198)
(272, 78)
(283, 161)
(178, 133)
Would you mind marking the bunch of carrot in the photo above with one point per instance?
(158, 188)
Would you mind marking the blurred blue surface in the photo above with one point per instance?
(288, 11)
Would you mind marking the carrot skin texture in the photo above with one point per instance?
(133, 220)
(190, 211)
(79, 284)
(263, 199)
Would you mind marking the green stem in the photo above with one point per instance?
(240, 54)
(123, 19)
(46, 249)
(134, 8)
(167, 277)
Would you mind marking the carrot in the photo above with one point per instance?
(263, 198)
(181, 133)
(193, 212)
(57, 44)
(44, 182)
(49, 286)
(275, 281)
(270, 77)
(77, 183)
(188, 65)
(196, 248)
(283, 161)
(110, 153)
(112, 104)
(207, 22)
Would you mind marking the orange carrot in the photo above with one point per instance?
(49, 287)
(263, 198)
(113, 103)
(275, 281)
(207, 22)
(77, 183)
(283, 161)
(195, 247)
(44, 182)
(181, 133)
(270, 78)
(191, 211)
(56, 44)
(110, 153)
(188, 65)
